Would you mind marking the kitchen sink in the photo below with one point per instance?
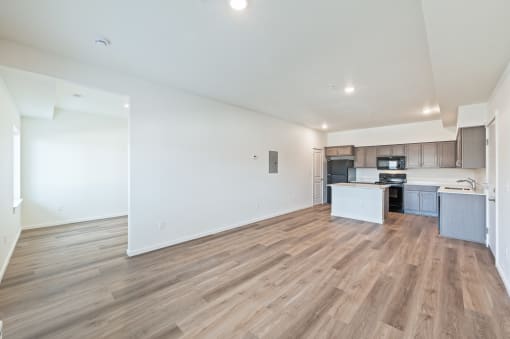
(458, 188)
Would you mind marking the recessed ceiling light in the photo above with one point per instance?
(349, 89)
(239, 5)
(430, 110)
(104, 42)
(324, 126)
(126, 105)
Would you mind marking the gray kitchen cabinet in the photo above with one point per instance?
(462, 216)
(398, 150)
(359, 157)
(337, 151)
(371, 157)
(413, 156)
(429, 155)
(421, 200)
(384, 151)
(428, 203)
(471, 143)
(447, 154)
(412, 202)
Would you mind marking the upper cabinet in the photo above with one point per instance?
(447, 154)
(467, 152)
(360, 157)
(421, 155)
(413, 156)
(429, 155)
(391, 150)
(339, 151)
(471, 143)
(365, 157)
(398, 150)
(371, 157)
(384, 151)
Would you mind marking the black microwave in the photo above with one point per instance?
(391, 163)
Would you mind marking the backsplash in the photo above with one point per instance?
(432, 175)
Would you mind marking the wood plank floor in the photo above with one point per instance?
(304, 274)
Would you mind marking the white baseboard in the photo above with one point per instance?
(158, 246)
(9, 255)
(503, 277)
(75, 220)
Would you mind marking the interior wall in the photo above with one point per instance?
(472, 115)
(191, 167)
(193, 171)
(74, 168)
(499, 107)
(9, 218)
(394, 134)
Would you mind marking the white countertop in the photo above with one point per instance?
(360, 185)
(443, 189)
(425, 183)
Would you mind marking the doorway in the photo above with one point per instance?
(492, 184)
(318, 177)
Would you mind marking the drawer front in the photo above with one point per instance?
(421, 188)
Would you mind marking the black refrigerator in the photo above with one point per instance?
(340, 170)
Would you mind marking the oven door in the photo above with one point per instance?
(396, 199)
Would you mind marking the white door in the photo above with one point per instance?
(491, 179)
(318, 177)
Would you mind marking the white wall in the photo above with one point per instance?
(394, 134)
(74, 168)
(499, 107)
(9, 218)
(193, 173)
(472, 115)
(190, 167)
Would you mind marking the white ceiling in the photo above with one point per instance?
(280, 57)
(39, 96)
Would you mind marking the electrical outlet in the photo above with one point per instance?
(161, 225)
(507, 253)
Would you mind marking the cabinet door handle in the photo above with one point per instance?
(492, 199)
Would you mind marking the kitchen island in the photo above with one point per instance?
(366, 202)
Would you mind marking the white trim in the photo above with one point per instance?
(9, 255)
(502, 275)
(72, 221)
(158, 246)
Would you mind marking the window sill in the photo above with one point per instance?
(16, 203)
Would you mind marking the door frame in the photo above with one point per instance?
(493, 122)
(321, 152)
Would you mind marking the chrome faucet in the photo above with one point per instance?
(470, 181)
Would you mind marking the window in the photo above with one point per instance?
(16, 168)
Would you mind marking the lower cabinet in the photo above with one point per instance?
(421, 200)
(463, 217)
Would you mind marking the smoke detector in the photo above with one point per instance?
(103, 42)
